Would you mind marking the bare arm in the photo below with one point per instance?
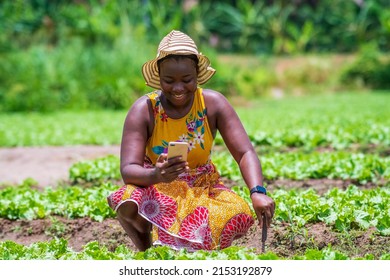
(236, 139)
(137, 129)
(226, 120)
(134, 138)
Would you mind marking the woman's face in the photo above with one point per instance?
(178, 80)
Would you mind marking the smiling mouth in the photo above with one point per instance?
(178, 96)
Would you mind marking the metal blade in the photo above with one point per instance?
(264, 234)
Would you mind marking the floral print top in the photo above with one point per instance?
(192, 128)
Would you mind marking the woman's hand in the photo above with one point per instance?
(168, 170)
(264, 207)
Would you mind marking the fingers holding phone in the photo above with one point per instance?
(177, 156)
(176, 161)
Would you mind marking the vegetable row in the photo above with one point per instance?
(57, 249)
(358, 167)
(352, 208)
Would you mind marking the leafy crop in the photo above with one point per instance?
(57, 249)
(73, 202)
(352, 208)
(344, 210)
(296, 165)
(95, 170)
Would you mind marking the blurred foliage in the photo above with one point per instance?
(82, 54)
(272, 27)
(370, 69)
(71, 76)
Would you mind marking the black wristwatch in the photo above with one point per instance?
(258, 189)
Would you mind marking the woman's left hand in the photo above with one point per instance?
(264, 207)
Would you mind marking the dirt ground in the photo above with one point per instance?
(50, 165)
(46, 165)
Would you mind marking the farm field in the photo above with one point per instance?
(325, 158)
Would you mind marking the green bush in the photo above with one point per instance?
(87, 55)
(370, 69)
(72, 77)
(242, 26)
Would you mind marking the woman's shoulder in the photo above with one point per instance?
(214, 98)
(137, 118)
(140, 106)
(141, 103)
(147, 99)
(210, 93)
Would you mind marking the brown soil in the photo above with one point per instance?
(49, 166)
(46, 165)
(281, 239)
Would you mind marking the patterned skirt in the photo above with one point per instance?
(195, 212)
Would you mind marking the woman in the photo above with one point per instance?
(184, 201)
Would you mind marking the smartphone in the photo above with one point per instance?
(178, 149)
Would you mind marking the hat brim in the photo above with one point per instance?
(152, 77)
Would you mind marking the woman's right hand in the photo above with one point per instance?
(264, 207)
(168, 170)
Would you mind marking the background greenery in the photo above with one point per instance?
(87, 54)
(310, 80)
(347, 120)
(268, 26)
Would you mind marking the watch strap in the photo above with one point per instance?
(258, 189)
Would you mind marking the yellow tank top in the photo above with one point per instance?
(192, 128)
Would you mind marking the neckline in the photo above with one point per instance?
(164, 111)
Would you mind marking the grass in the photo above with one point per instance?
(61, 128)
(334, 119)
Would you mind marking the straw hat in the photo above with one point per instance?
(176, 43)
